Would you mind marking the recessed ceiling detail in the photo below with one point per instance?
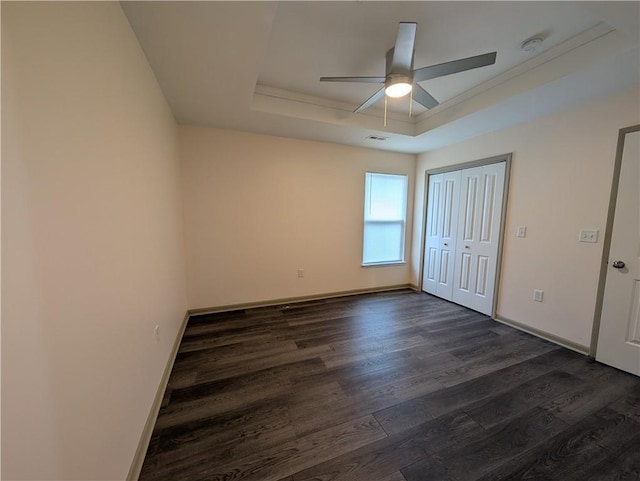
(255, 66)
(571, 55)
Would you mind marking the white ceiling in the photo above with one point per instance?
(255, 66)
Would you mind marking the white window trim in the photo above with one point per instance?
(402, 221)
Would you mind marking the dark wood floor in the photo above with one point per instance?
(397, 386)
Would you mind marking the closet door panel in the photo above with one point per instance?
(476, 258)
(465, 268)
(432, 246)
(442, 226)
(450, 207)
(430, 269)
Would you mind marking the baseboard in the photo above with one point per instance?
(145, 438)
(545, 335)
(293, 300)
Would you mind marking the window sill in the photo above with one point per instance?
(384, 264)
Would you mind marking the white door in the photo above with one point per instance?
(482, 190)
(442, 223)
(619, 337)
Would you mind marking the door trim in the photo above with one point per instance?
(608, 233)
(506, 158)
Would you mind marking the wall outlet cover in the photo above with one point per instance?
(588, 235)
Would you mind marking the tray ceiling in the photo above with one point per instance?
(255, 66)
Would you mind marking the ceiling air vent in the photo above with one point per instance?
(377, 137)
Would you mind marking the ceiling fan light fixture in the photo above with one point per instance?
(401, 78)
(397, 87)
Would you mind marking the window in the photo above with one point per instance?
(385, 207)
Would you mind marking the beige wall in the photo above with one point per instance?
(92, 245)
(92, 229)
(257, 208)
(560, 182)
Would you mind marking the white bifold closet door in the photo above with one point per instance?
(442, 225)
(464, 216)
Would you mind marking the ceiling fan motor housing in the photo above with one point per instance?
(398, 76)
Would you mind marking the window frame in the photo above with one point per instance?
(402, 221)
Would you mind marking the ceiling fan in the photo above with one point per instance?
(401, 78)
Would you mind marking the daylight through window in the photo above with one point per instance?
(385, 207)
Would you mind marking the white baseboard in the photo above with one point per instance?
(145, 438)
(574, 346)
(293, 300)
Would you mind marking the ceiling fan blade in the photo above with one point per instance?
(370, 80)
(455, 66)
(370, 101)
(423, 97)
(403, 50)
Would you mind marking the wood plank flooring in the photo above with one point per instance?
(397, 386)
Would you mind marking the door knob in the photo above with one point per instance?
(618, 264)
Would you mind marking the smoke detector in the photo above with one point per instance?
(531, 45)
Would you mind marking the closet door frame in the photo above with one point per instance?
(506, 158)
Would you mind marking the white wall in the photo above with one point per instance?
(257, 208)
(560, 182)
(92, 244)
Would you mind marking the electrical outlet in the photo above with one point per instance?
(300, 272)
(588, 235)
(537, 295)
(157, 332)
